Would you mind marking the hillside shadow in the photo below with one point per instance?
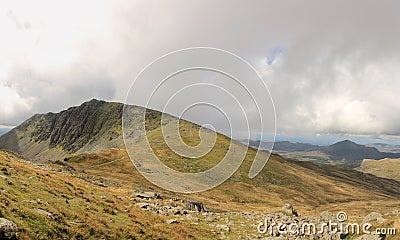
(10, 141)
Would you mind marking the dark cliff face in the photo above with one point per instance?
(71, 129)
(75, 127)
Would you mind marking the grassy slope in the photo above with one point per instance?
(386, 168)
(80, 209)
(94, 212)
(309, 187)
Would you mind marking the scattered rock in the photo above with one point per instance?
(211, 219)
(329, 236)
(191, 218)
(148, 195)
(195, 206)
(142, 204)
(369, 237)
(41, 211)
(327, 216)
(223, 227)
(229, 222)
(374, 216)
(75, 223)
(171, 221)
(8, 229)
(177, 210)
(288, 209)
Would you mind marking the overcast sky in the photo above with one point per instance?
(332, 67)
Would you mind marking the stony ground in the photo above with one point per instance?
(250, 225)
(39, 201)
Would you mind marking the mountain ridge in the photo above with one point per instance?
(74, 130)
(345, 152)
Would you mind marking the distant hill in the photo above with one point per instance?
(350, 153)
(345, 152)
(383, 147)
(386, 168)
(4, 129)
(284, 146)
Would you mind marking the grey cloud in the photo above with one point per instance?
(338, 73)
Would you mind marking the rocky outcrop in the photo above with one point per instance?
(8, 229)
(92, 126)
(73, 128)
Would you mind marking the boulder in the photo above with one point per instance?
(396, 212)
(148, 195)
(288, 209)
(171, 221)
(195, 206)
(8, 229)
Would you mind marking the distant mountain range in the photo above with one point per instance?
(4, 129)
(383, 147)
(285, 146)
(345, 152)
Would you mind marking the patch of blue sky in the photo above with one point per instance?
(274, 53)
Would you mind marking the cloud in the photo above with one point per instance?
(331, 66)
(12, 104)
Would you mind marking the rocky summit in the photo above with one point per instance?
(95, 125)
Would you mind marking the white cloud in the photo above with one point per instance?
(12, 104)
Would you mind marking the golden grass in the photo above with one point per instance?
(80, 210)
(310, 190)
